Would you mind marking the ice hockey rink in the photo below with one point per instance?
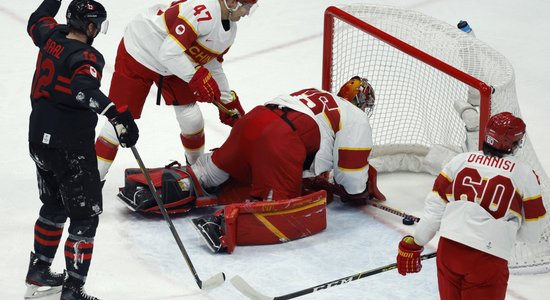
(278, 50)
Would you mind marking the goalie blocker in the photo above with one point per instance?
(263, 222)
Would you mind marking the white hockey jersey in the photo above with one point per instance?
(174, 39)
(346, 136)
(484, 202)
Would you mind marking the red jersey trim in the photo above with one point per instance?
(178, 28)
(533, 208)
(353, 159)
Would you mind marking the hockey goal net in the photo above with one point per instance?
(434, 86)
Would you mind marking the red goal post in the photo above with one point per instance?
(426, 73)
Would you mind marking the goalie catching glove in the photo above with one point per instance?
(126, 129)
(408, 256)
(204, 86)
(232, 111)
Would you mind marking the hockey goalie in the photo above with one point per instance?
(272, 171)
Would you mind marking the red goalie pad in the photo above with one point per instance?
(259, 223)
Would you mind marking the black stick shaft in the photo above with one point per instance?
(166, 216)
(347, 279)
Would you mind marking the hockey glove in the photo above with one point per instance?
(408, 256)
(232, 111)
(126, 129)
(204, 86)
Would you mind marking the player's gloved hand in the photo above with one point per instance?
(232, 111)
(204, 86)
(408, 256)
(126, 129)
(317, 183)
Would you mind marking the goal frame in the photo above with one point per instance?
(333, 12)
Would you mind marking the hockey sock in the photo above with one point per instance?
(79, 247)
(78, 255)
(106, 152)
(194, 145)
(47, 236)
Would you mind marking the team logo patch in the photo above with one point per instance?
(93, 71)
(180, 29)
(80, 97)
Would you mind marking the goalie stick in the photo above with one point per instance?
(393, 210)
(243, 287)
(379, 205)
(211, 282)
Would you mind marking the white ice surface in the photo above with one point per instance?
(278, 50)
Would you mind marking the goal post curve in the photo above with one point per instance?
(426, 74)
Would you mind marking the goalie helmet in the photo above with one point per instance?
(505, 132)
(81, 13)
(359, 91)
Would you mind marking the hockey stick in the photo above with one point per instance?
(393, 210)
(379, 205)
(251, 293)
(213, 281)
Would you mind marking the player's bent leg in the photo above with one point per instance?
(192, 130)
(106, 147)
(207, 173)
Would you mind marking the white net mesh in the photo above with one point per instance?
(414, 111)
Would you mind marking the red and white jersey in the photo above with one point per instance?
(484, 202)
(346, 136)
(174, 39)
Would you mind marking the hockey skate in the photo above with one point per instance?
(210, 230)
(40, 280)
(74, 290)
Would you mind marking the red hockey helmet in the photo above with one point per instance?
(504, 131)
(359, 91)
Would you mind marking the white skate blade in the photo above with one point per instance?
(36, 292)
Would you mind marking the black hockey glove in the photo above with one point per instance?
(126, 129)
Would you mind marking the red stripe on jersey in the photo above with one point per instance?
(88, 70)
(80, 256)
(178, 28)
(63, 79)
(44, 242)
(59, 88)
(52, 24)
(353, 159)
(48, 232)
(442, 186)
(533, 208)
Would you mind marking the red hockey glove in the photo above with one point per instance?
(232, 111)
(204, 86)
(320, 182)
(408, 256)
(126, 129)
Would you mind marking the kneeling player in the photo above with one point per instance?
(267, 152)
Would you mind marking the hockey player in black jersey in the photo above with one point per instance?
(66, 100)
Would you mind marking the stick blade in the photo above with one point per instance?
(240, 284)
(213, 281)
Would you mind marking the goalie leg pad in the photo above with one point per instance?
(260, 223)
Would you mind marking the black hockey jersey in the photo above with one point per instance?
(65, 95)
